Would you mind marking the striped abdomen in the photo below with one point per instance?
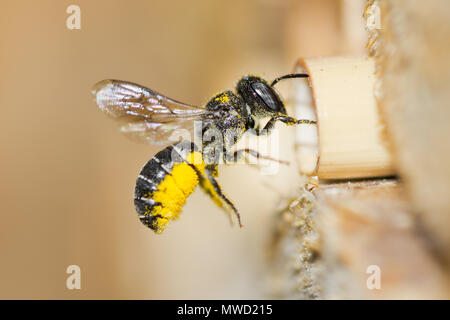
(165, 182)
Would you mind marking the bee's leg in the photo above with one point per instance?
(219, 192)
(285, 119)
(239, 154)
(212, 188)
(212, 183)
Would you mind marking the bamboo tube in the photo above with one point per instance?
(348, 141)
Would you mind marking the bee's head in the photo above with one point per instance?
(262, 99)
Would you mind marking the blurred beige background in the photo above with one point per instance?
(67, 174)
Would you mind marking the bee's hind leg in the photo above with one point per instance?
(210, 185)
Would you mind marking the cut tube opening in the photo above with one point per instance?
(348, 141)
(306, 139)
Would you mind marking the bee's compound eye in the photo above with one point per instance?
(267, 96)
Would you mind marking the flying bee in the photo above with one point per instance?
(167, 179)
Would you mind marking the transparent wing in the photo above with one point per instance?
(145, 115)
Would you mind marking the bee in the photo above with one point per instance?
(167, 179)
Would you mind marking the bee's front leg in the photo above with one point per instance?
(285, 119)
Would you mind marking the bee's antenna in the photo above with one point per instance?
(289, 76)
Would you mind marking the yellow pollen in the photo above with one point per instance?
(223, 98)
(174, 189)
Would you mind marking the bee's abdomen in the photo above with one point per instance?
(163, 185)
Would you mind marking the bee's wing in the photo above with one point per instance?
(144, 114)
